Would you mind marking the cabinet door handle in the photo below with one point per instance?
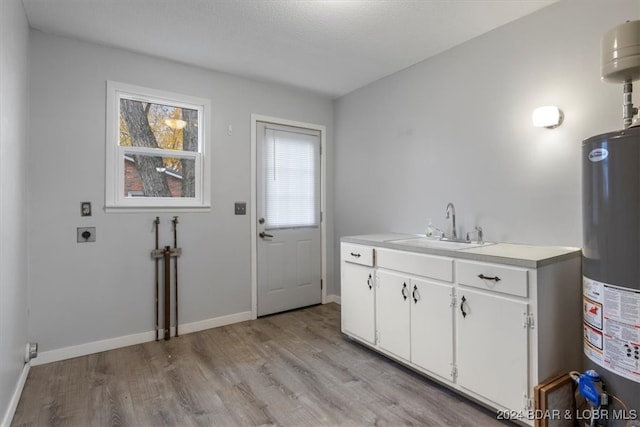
(355, 255)
(404, 290)
(413, 294)
(494, 278)
(462, 301)
(370, 282)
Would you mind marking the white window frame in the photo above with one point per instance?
(115, 199)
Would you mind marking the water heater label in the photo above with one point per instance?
(611, 317)
(598, 154)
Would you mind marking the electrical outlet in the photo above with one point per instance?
(86, 234)
(85, 209)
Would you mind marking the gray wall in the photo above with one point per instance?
(453, 128)
(82, 293)
(14, 38)
(457, 128)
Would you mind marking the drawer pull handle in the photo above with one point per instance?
(404, 288)
(370, 282)
(462, 301)
(414, 293)
(495, 278)
(355, 254)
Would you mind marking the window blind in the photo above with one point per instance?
(292, 179)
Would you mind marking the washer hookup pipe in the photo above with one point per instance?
(175, 265)
(167, 292)
(157, 223)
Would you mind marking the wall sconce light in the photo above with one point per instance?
(547, 117)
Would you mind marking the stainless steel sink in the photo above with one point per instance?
(423, 242)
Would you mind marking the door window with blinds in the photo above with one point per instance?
(291, 168)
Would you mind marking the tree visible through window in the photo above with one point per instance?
(158, 149)
(159, 126)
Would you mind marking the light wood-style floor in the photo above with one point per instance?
(291, 369)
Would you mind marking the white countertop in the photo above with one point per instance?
(528, 256)
(384, 237)
(524, 252)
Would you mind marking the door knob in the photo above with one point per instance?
(263, 235)
(261, 221)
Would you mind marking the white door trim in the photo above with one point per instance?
(255, 118)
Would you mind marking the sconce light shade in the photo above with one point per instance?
(547, 117)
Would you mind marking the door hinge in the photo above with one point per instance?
(454, 372)
(321, 284)
(374, 256)
(377, 337)
(528, 403)
(453, 300)
(528, 321)
(321, 216)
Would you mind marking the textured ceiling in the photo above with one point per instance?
(328, 46)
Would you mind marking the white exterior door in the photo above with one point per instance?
(288, 212)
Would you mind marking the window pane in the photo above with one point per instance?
(292, 190)
(156, 153)
(156, 176)
(144, 124)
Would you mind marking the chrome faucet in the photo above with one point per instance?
(451, 212)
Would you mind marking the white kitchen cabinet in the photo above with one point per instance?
(414, 309)
(433, 267)
(492, 347)
(490, 322)
(358, 292)
(432, 326)
(414, 320)
(493, 323)
(393, 318)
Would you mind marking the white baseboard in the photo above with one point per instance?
(334, 298)
(15, 398)
(91, 347)
(188, 328)
(127, 340)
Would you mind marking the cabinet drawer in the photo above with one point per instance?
(357, 254)
(435, 267)
(499, 278)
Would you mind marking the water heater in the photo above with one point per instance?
(611, 239)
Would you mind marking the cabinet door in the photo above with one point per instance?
(393, 296)
(432, 326)
(357, 295)
(492, 347)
